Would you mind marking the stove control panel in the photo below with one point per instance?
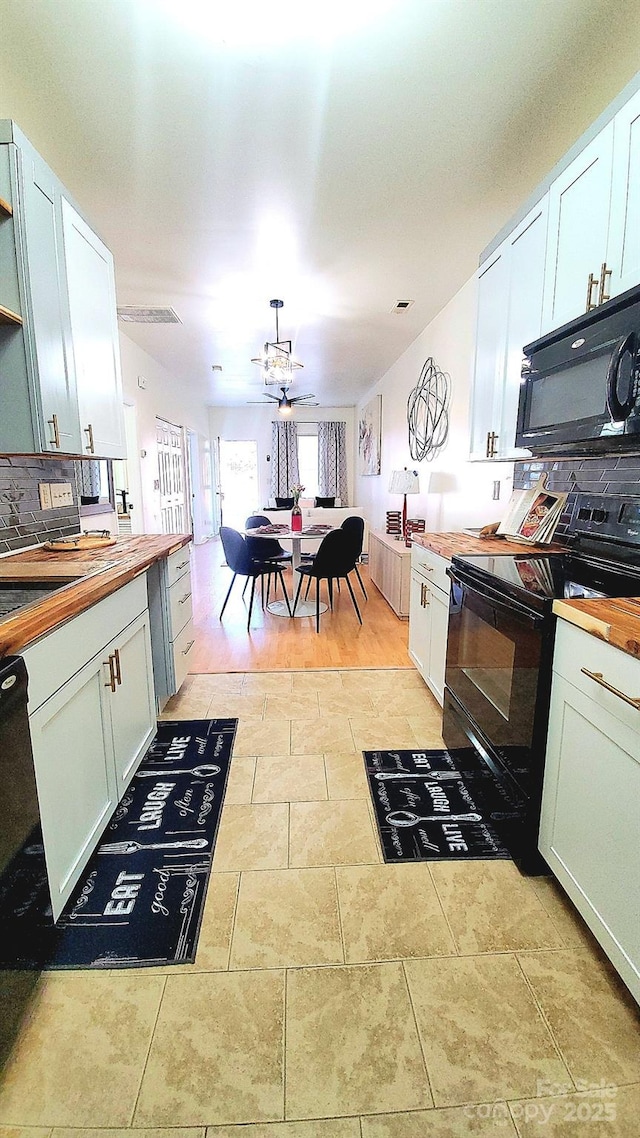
(616, 519)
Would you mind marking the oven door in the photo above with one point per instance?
(495, 649)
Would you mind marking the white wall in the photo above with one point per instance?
(254, 422)
(461, 494)
(165, 396)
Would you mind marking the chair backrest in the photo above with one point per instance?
(236, 552)
(261, 548)
(354, 526)
(284, 503)
(326, 502)
(336, 556)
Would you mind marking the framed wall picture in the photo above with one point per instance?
(370, 436)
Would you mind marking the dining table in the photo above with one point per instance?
(296, 537)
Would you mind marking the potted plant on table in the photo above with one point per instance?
(296, 512)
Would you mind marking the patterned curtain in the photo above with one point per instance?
(332, 461)
(284, 459)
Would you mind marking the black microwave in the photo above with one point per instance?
(580, 389)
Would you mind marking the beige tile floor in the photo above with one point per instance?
(332, 996)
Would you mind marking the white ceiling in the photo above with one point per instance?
(341, 176)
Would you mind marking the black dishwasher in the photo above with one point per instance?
(19, 811)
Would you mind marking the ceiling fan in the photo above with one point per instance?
(286, 402)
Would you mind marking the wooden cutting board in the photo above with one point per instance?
(83, 541)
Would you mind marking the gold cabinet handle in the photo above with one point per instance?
(112, 674)
(604, 273)
(90, 445)
(188, 648)
(53, 423)
(184, 598)
(598, 678)
(118, 669)
(421, 596)
(182, 565)
(591, 303)
(492, 439)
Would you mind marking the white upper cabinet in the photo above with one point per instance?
(493, 285)
(510, 289)
(579, 203)
(624, 226)
(59, 428)
(94, 336)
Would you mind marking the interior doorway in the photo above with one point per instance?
(238, 481)
(172, 478)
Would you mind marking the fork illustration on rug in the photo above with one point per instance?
(129, 847)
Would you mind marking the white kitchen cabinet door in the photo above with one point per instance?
(579, 202)
(526, 250)
(439, 621)
(59, 427)
(94, 337)
(491, 331)
(623, 256)
(75, 775)
(132, 704)
(419, 624)
(590, 829)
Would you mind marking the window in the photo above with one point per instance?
(308, 464)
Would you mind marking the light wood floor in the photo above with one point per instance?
(276, 643)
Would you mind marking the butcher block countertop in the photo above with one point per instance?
(119, 563)
(458, 544)
(616, 621)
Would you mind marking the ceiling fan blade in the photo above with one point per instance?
(300, 398)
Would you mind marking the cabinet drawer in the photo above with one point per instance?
(432, 566)
(180, 604)
(182, 646)
(52, 660)
(178, 563)
(577, 650)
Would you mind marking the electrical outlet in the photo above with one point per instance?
(44, 490)
(61, 494)
(142, 383)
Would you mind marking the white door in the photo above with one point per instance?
(624, 232)
(171, 477)
(419, 623)
(579, 201)
(239, 495)
(493, 284)
(94, 336)
(132, 704)
(439, 619)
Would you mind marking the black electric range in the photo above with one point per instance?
(500, 646)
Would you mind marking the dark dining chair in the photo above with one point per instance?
(334, 560)
(354, 526)
(242, 564)
(265, 549)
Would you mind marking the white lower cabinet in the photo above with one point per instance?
(91, 723)
(172, 631)
(429, 617)
(590, 820)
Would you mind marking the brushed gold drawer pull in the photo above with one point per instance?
(604, 273)
(591, 303)
(598, 678)
(90, 445)
(53, 423)
(188, 648)
(184, 598)
(112, 683)
(118, 671)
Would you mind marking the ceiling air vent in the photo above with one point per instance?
(136, 314)
(402, 305)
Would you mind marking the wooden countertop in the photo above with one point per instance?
(614, 620)
(457, 544)
(125, 560)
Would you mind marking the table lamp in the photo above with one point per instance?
(404, 482)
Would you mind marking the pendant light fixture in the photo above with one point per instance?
(276, 361)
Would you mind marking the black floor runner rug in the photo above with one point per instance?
(440, 805)
(140, 899)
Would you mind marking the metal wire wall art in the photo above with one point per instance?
(428, 412)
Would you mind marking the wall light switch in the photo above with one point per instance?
(142, 383)
(44, 490)
(61, 494)
(496, 490)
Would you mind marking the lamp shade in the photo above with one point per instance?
(404, 482)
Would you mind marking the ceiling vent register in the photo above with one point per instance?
(136, 314)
